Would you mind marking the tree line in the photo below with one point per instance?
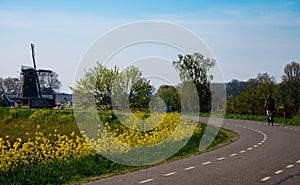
(248, 97)
(11, 85)
(128, 89)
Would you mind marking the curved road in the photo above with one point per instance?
(262, 155)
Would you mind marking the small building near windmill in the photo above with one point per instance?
(63, 100)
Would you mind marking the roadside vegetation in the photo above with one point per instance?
(41, 146)
(248, 98)
(46, 147)
(288, 121)
(293, 121)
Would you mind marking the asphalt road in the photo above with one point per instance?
(262, 155)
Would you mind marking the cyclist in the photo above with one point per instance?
(270, 106)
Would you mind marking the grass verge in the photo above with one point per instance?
(294, 121)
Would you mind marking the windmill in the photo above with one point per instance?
(31, 94)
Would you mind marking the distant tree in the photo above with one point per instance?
(285, 101)
(194, 68)
(291, 72)
(251, 101)
(49, 82)
(251, 83)
(9, 85)
(291, 85)
(286, 93)
(265, 78)
(170, 96)
(2, 88)
(234, 88)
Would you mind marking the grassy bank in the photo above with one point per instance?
(46, 147)
(294, 121)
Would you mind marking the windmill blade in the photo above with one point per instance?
(33, 56)
(44, 71)
(37, 77)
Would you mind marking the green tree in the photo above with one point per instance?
(49, 82)
(9, 85)
(234, 88)
(285, 101)
(170, 96)
(251, 101)
(194, 68)
(131, 90)
(265, 78)
(109, 87)
(95, 87)
(291, 85)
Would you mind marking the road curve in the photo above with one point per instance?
(262, 155)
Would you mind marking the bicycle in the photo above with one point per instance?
(270, 118)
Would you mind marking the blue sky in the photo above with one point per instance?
(247, 37)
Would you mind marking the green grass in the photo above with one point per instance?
(62, 172)
(294, 121)
(16, 124)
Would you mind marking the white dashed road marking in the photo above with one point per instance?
(221, 158)
(265, 179)
(169, 174)
(232, 155)
(145, 181)
(278, 172)
(206, 163)
(290, 166)
(189, 168)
